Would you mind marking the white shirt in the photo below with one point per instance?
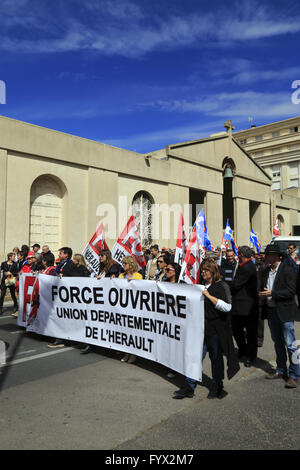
(221, 305)
(270, 283)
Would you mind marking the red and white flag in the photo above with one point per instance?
(225, 243)
(276, 228)
(190, 271)
(93, 249)
(181, 243)
(129, 244)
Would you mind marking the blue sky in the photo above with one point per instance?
(141, 75)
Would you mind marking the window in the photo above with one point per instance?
(275, 185)
(294, 175)
(243, 141)
(258, 154)
(258, 138)
(294, 169)
(276, 171)
(276, 134)
(294, 147)
(275, 151)
(142, 211)
(294, 183)
(293, 129)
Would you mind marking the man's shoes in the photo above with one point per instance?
(125, 358)
(1, 311)
(260, 343)
(247, 363)
(291, 383)
(216, 391)
(15, 314)
(275, 375)
(183, 392)
(87, 349)
(56, 344)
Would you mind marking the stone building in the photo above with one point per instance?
(55, 188)
(276, 148)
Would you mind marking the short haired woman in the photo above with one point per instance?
(130, 267)
(217, 332)
(9, 271)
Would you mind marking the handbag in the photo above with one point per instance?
(10, 281)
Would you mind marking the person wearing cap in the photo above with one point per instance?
(278, 290)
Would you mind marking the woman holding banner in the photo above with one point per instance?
(130, 267)
(108, 267)
(217, 333)
(81, 269)
(162, 262)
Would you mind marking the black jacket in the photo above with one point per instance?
(227, 271)
(283, 292)
(79, 271)
(217, 322)
(13, 268)
(244, 290)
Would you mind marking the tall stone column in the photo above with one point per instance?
(261, 223)
(103, 203)
(242, 221)
(214, 217)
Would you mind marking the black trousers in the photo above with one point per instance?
(12, 293)
(244, 330)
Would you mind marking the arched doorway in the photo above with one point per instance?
(142, 211)
(280, 224)
(46, 208)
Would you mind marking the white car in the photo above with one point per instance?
(284, 242)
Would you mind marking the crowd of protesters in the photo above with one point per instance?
(240, 292)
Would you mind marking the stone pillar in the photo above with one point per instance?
(178, 202)
(214, 217)
(241, 221)
(3, 200)
(285, 177)
(103, 203)
(262, 224)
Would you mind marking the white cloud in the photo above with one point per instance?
(237, 104)
(127, 29)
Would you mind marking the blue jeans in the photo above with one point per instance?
(212, 345)
(283, 336)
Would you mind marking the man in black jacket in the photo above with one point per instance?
(228, 267)
(278, 292)
(245, 306)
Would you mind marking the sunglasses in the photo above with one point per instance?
(170, 269)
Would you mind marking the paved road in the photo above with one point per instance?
(59, 399)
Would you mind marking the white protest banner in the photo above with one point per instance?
(181, 242)
(162, 322)
(128, 244)
(93, 249)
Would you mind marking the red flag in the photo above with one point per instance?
(128, 244)
(276, 228)
(94, 247)
(190, 271)
(181, 243)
